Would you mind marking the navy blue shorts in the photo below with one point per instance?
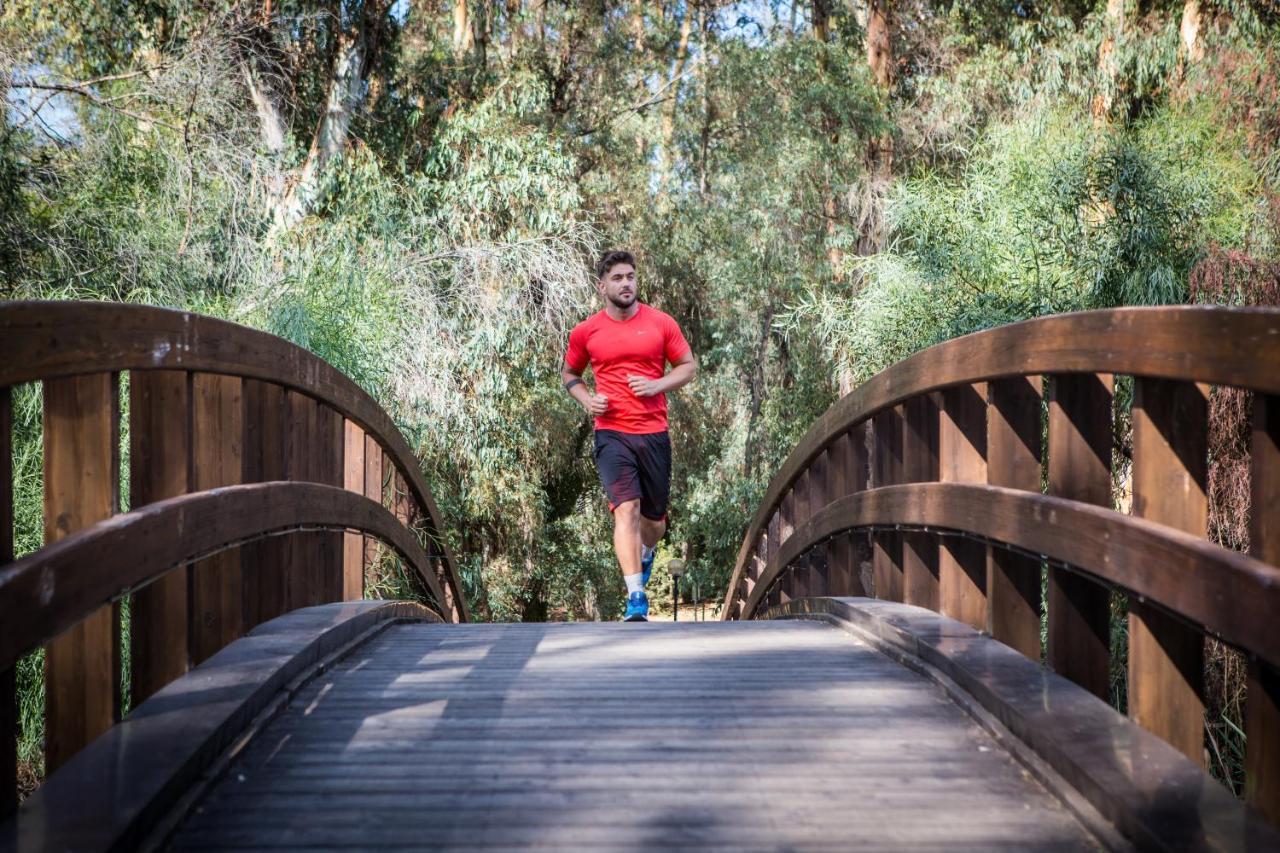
(635, 467)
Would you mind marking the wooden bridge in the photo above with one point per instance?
(881, 681)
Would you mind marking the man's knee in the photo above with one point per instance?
(627, 512)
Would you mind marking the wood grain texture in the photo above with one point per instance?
(1013, 460)
(211, 521)
(353, 543)
(8, 683)
(81, 487)
(159, 467)
(1170, 486)
(372, 490)
(962, 456)
(1079, 641)
(1224, 346)
(217, 583)
(266, 458)
(1231, 595)
(303, 548)
(329, 449)
(761, 735)
(920, 465)
(1262, 709)
(887, 469)
(66, 338)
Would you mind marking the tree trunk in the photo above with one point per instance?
(1113, 28)
(462, 35)
(1190, 29)
(673, 88)
(830, 207)
(879, 160)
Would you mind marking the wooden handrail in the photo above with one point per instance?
(47, 340)
(54, 588)
(1226, 592)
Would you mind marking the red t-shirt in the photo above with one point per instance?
(615, 349)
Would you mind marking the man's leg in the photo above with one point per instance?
(626, 536)
(651, 531)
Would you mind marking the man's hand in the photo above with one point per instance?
(596, 404)
(642, 387)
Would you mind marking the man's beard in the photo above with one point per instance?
(621, 301)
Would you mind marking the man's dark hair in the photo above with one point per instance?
(611, 259)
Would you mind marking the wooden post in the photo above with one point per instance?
(159, 468)
(819, 497)
(217, 584)
(8, 683)
(920, 465)
(797, 580)
(1262, 709)
(302, 566)
(1170, 486)
(1080, 470)
(81, 486)
(886, 470)
(849, 475)
(372, 491)
(353, 543)
(1013, 461)
(328, 452)
(266, 454)
(962, 452)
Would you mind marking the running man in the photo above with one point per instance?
(628, 345)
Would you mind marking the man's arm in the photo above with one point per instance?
(595, 404)
(681, 373)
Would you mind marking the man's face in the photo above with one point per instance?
(619, 285)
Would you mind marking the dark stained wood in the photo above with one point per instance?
(217, 585)
(159, 468)
(81, 477)
(886, 470)
(266, 455)
(353, 543)
(1262, 710)
(211, 521)
(372, 490)
(1079, 642)
(66, 338)
(1013, 460)
(1233, 595)
(962, 456)
(8, 683)
(1170, 486)
(329, 470)
(847, 474)
(920, 465)
(303, 576)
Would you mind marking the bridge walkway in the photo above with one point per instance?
(779, 735)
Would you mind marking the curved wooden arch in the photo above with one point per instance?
(1228, 593)
(49, 591)
(47, 340)
(1222, 346)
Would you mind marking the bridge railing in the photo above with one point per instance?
(933, 484)
(235, 438)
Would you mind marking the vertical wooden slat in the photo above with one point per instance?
(1170, 486)
(353, 543)
(886, 471)
(1013, 461)
(266, 454)
(372, 490)
(1262, 709)
(328, 450)
(217, 583)
(1079, 643)
(819, 497)
(302, 565)
(786, 516)
(159, 468)
(797, 580)
(849, 475)
(920, 465)
(962, 456)
(81, 476)
(8, 683)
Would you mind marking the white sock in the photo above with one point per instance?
(635, 583)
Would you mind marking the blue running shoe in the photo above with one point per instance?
(646, 565)
(637, 608)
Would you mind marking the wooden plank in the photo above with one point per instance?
(8, 683)
(328, 451)
(353, 543)
(81, 476)
(303, 550)
(1262, 709)
(1170, 486)
(1013, 460)
(217, 584)
(819, 497)
(372, 490)
(266, 455)
(962, 453)
(1079, 642)
(920, 465)
(159, 468)
(886, 469)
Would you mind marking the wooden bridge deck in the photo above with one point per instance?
(764, 735)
